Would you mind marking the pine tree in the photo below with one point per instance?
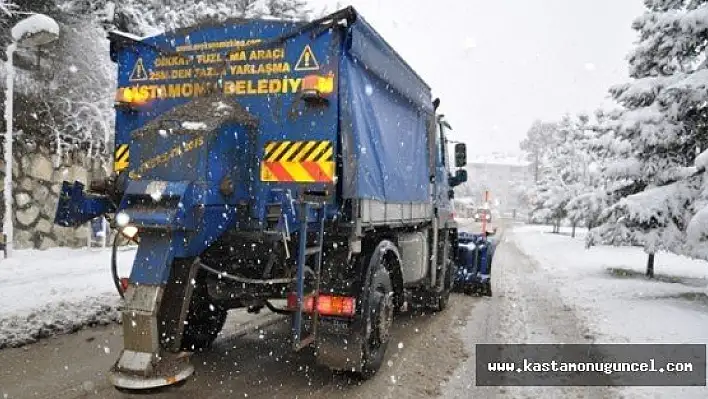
(538, 140)
(7, 7)
(288, 9)
(663, 119)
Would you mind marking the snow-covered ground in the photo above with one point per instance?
(56, 291)
(617, 302)
(607, 284)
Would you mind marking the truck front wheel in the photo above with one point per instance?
(441, 300)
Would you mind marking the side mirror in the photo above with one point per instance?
(459, 178)
(460, 155)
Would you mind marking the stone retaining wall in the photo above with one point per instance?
(37, 179)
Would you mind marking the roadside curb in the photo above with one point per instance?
(259, 322)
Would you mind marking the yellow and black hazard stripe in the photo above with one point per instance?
(120, 161)
(298, 161)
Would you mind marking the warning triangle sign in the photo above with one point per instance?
(139, 73)
(307, 60)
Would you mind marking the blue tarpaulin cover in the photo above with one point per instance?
(386, 107)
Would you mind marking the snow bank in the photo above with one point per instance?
(606, 287)
(57, 291)
(619, 307)
(61, 317)
(35, 24)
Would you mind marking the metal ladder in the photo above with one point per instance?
(305, 253)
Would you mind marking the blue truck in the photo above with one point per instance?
(261, 160)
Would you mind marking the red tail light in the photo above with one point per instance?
(292, 302)
(327, 305)
(336, 305)
(124, 283)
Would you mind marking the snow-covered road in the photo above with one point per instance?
(605, 292)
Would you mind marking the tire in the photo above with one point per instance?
(377, 319)
(488, 289)
(441, 300)
(204, 321)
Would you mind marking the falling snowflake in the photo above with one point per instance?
(400, 345)
(107, 350)
(162, 132)
(73, 69)
(369, 90)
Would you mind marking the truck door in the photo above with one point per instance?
(442, 187)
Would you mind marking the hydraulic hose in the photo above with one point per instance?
(245, 280)
(277, 310)
(114, 266)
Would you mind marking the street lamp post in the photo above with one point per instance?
(33, 31)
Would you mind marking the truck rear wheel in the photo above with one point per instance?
(377, 320)
(204, 321)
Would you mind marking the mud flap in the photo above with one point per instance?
(157, 301)
(340, 352)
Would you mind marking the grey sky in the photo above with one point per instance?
(499, 64)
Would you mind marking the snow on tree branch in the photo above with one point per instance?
(7, 7)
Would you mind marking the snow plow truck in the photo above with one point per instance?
(259, 160)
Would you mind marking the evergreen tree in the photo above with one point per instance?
(663, 120)
(288, 9)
